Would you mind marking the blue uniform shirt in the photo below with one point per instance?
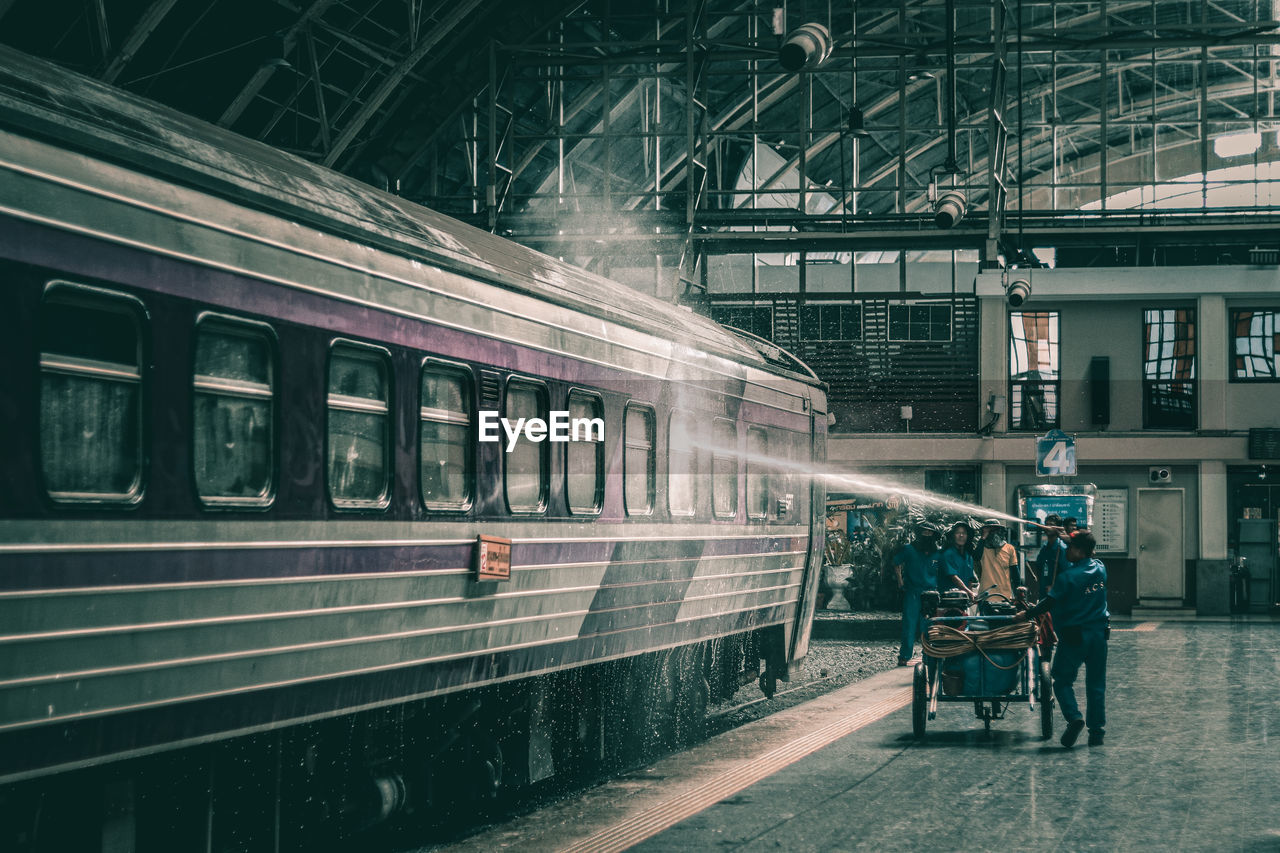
(1080, 594)
(1053, 556)
(958, 563)
(917, 568)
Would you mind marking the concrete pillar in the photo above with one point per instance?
(993, 360)
(993, 490)
(1212, 356)
(1213, 509)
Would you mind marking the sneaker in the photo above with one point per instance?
(1095, 737)
(903, 662)
(1072, 732)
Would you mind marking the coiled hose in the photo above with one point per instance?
(944, 641)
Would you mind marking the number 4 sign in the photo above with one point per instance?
(1056, 455)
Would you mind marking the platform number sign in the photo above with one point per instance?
(1056, 455)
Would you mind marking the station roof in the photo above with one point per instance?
(673, 126)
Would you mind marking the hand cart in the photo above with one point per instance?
(988, 659)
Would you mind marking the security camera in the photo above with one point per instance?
(805, 47)
(1017, 292)
(949, 209)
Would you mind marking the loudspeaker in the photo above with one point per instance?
(1100, 390)
(1160, 475)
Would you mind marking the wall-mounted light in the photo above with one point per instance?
(807, 46)
(997, 405)
(1017, 292)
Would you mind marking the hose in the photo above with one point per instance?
(944, 641)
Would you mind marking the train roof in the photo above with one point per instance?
(43, 100)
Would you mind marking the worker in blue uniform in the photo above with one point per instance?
(1052, 557)
(955, 565)
(1052, 554)
(916, 567)
(1078, 602)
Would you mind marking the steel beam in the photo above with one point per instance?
(264, 72)
(146, 25)
(394, 78)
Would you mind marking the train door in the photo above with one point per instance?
(816, 521)
(1161, 560)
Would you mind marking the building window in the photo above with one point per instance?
(1034, 380)
(919, 322)
(234, 401)
(1255, 339)
(359, 403)
(724, 468)
(958, 483)
(584, 456)
(1169, 368)
(445, 466)
(757, 473)
(756, 319)
(638, 462)
(831, 323)
(526, 463)
(682, 463)
(90, 395)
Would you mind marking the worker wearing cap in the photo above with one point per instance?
(1078, 602)
(916, 568)
(1053, 554)
(998, 568)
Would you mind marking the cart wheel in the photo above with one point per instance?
(1046, 701)
(919, 701)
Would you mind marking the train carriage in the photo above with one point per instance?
(244, 487)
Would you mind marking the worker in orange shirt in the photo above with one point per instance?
(998, 568)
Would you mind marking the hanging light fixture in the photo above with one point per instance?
(918, 68)
(857, 123)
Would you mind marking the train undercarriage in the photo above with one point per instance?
(402, 774)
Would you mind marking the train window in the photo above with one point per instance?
(724, 468)
(526, 463)
(682, 463)
(638, 462)
(232, 438)
(757, 473)
(584, 457)
(446, 471)
(359, 427)
(90, 394)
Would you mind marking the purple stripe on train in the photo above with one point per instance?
(74, 255)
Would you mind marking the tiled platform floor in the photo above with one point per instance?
(1192, 762)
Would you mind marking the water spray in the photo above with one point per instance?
(867, 484)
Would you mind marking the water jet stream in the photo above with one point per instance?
(865, 484)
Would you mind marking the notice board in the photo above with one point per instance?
(1110, 520)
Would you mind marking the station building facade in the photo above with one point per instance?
(1161, 375)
